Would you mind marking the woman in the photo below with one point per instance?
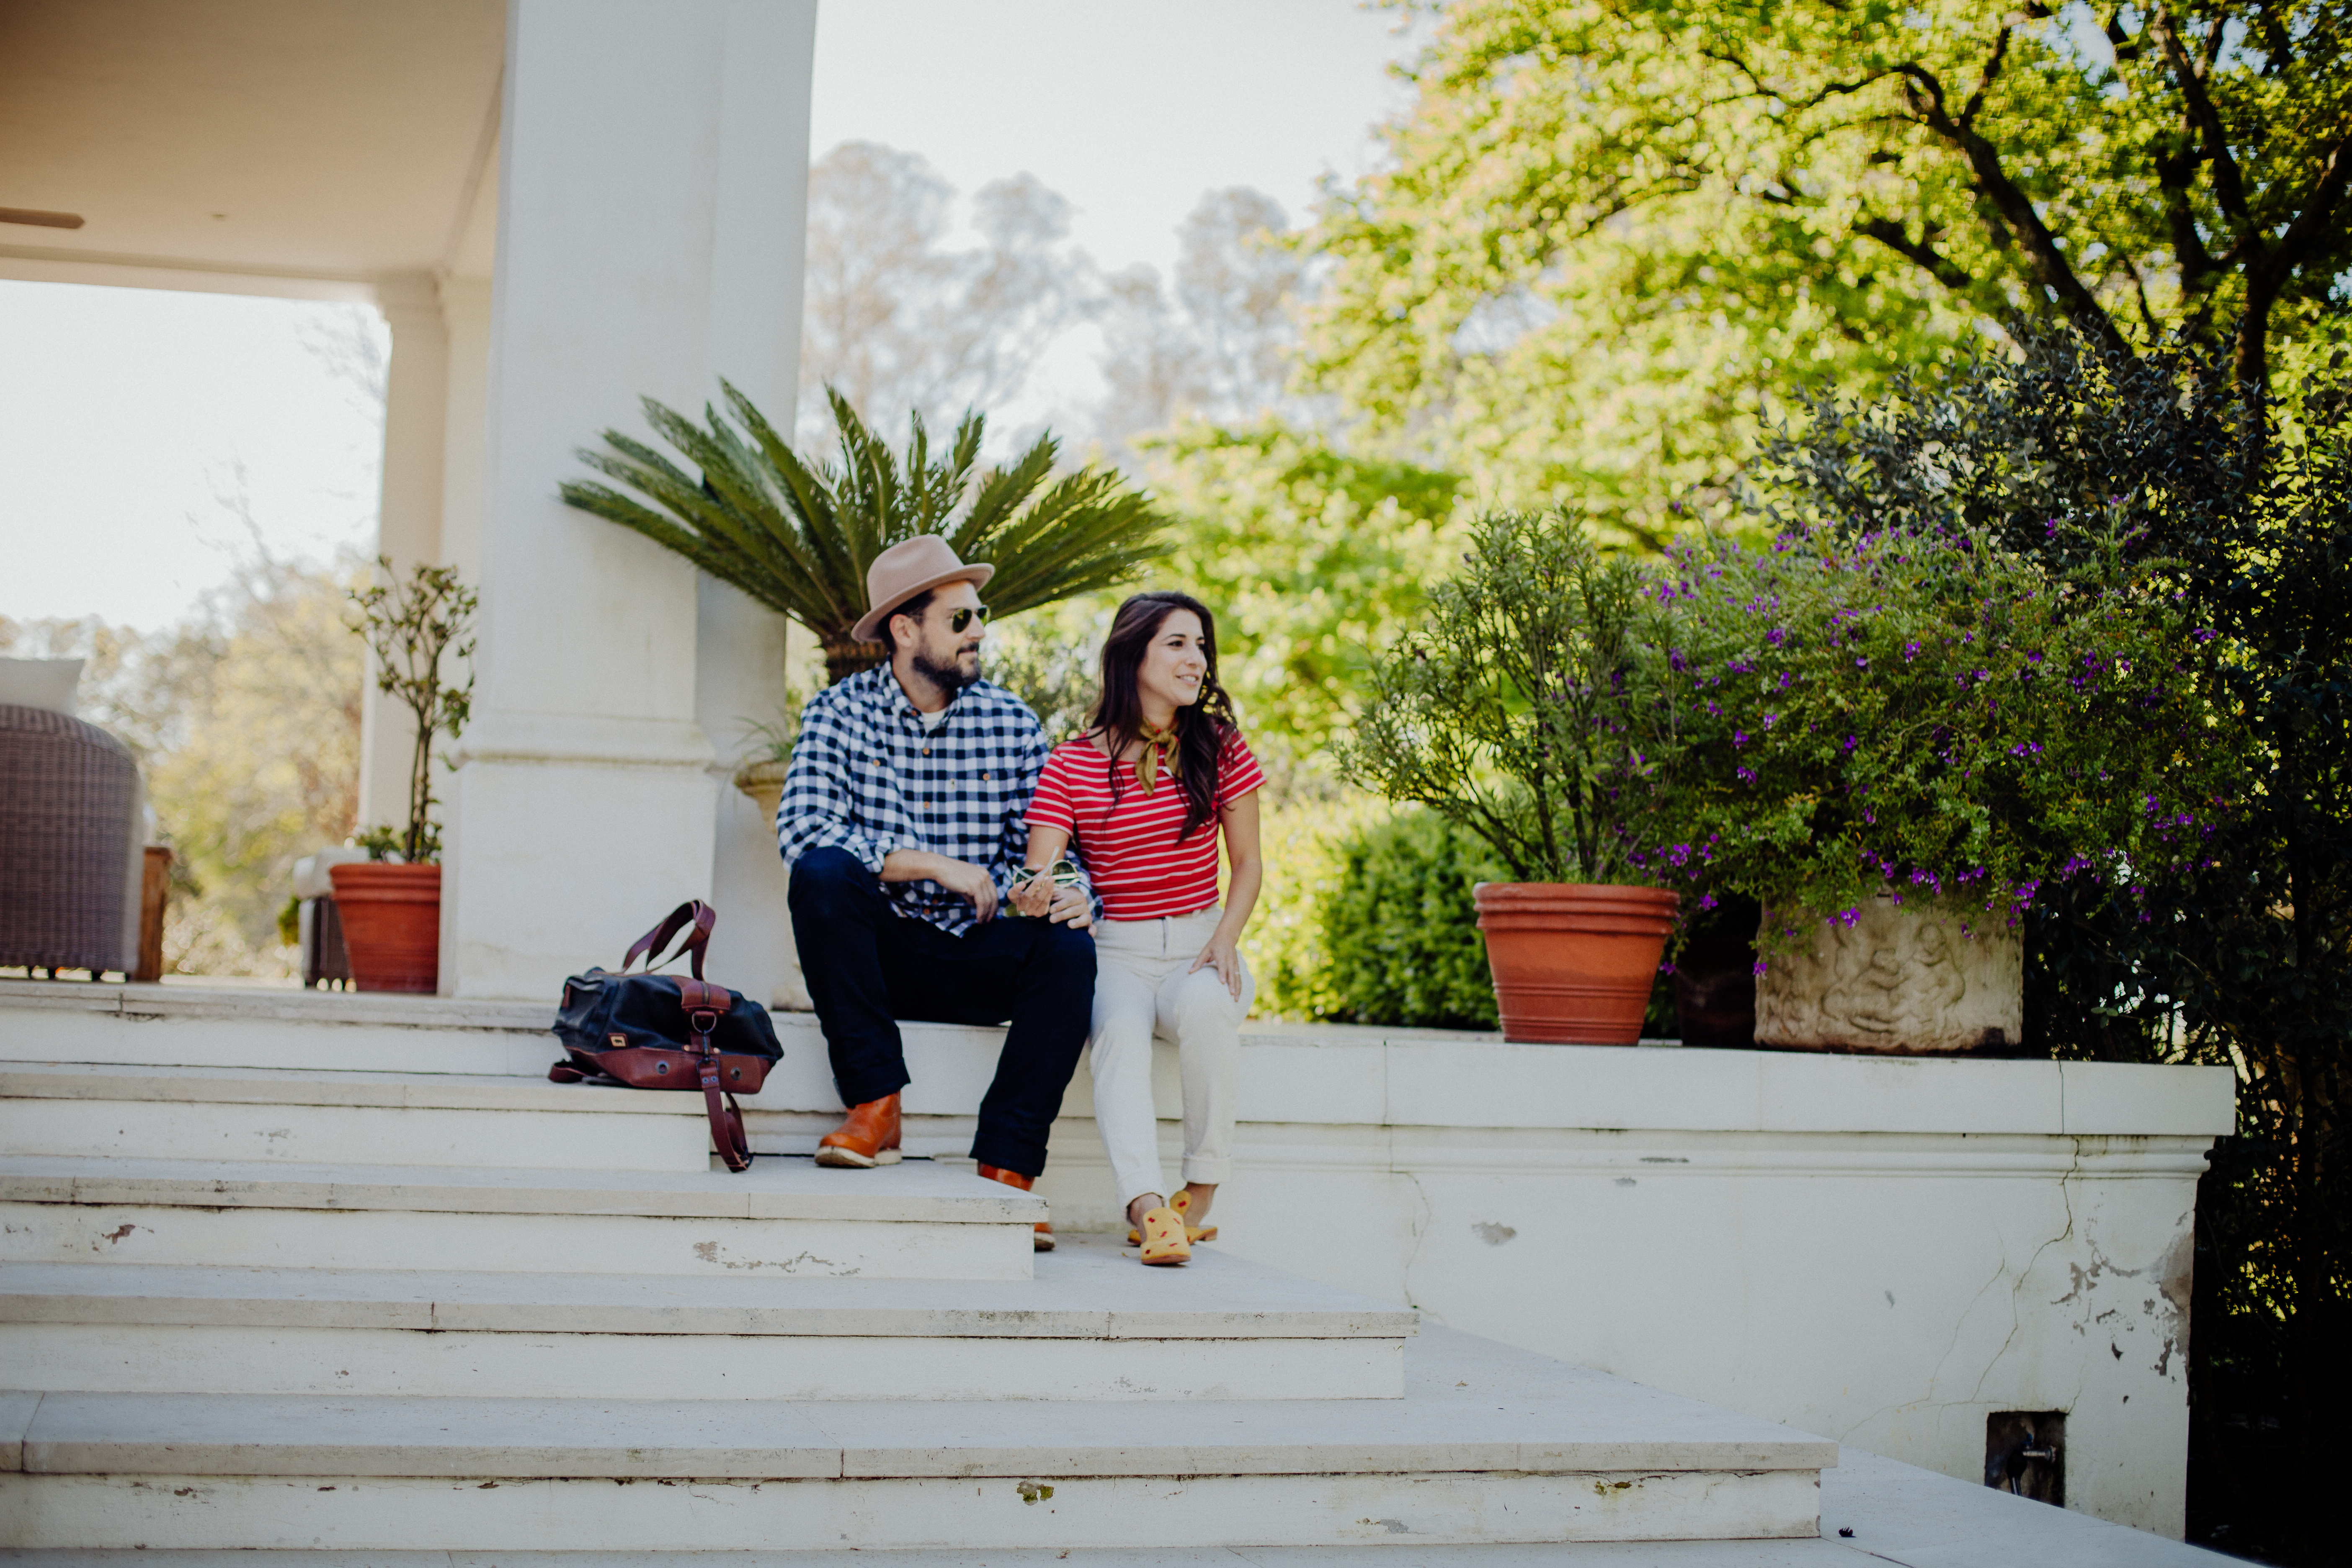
(1144, 793)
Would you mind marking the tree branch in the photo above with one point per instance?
(2229, 186)
(2046, 262)
(1920, 252)
(1984, 84)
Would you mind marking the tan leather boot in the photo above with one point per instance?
(867, 1139)
(1042, 1241)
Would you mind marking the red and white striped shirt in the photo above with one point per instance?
(1131, 850)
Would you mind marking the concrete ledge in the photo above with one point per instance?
(1327, 1074)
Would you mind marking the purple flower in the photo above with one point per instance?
(1862, 662)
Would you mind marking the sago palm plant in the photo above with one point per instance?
(798, 535)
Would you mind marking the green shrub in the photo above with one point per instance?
(1398, 931)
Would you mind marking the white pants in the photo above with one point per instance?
(1141, 990)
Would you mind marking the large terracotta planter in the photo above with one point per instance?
(1573, 963)
(391, 925)
(1903, 980)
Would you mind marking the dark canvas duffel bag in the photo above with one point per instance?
(665, 1031)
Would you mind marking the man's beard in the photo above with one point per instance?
(948, 677)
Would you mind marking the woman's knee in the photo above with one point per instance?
(1203, 1001)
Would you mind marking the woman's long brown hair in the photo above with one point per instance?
(1202, 727)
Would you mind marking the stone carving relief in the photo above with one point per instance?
(1903, 979)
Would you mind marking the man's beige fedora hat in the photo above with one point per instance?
(903, 571)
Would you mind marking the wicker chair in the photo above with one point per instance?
(70, 838)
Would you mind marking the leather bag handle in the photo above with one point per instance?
(695, 917)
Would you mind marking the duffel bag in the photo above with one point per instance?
(668, 1031)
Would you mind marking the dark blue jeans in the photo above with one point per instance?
(867, 967)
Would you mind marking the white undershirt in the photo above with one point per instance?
(931, 721)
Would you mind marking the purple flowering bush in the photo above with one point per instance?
(1917, 714)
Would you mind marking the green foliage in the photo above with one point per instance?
(1399, 930)
(1610, 234)
(2243, 509)
(412, 627)
(798, 536)
(1511, 709)
(1310, 559)
(1917, 712)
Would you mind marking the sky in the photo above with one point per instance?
(139, 429)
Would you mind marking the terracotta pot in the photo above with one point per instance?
(1573, 963)
(391, 925)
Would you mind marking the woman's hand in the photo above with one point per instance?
(1073, 905)
(1221, 954)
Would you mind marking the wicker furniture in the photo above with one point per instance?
(70, 843)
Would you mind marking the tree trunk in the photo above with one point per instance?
(844, 657)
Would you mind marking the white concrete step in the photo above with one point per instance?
(1488, 1444)
(1094, 1324)
(782, 1217)
(1874, 1512)
(312, 1117)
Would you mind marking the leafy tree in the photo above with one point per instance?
(798, 535)
(1611, 232)
(1311, 559)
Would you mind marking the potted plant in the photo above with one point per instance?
(1892, 740)
(391, 904)
(1519, 710)
(797, 535)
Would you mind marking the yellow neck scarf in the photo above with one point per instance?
(1158, 746)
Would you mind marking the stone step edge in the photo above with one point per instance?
(139, 1296)
(448, 1189)
(220, 1451)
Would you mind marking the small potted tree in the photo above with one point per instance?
(391, 904)
(1519, 710)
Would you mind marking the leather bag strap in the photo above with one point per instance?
(705, 1004)
(695, 917)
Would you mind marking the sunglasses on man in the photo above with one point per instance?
(958, 619)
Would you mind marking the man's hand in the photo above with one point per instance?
(960, 878)
(1074, 907)
(1033, 893)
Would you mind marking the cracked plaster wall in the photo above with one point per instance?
(1889, 1289)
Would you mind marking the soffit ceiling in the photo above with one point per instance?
(328, 138)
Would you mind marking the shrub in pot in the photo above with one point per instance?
(1892, 741)
(1517, 711)
(391, 904)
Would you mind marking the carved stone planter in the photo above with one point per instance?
(1903, 980)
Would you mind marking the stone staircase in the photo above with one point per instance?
(256, 1291)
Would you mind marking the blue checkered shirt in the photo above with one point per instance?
(867, 778)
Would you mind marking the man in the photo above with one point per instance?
(903, 822)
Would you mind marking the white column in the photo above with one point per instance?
(408, 525)
(465, 311)
(586, 795)
(755, 337)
